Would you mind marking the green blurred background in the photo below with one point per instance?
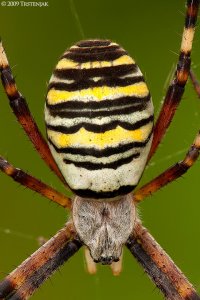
(34, 38)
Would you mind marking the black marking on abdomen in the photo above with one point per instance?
(87, 83)
(79, 74)
(81, 57)
(95, 49)
(100, 128)
(71, 114)
(99, 166)
(93, 43)
(87, 193)
(98, 105)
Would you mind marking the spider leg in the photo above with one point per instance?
(24, 280)
(159, 266)
(34, 184)
(23, 114)
(177, 86)
(195, 83)
(171, 173)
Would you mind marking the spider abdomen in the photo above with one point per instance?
(99, 119)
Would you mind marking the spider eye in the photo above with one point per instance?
(106, 260)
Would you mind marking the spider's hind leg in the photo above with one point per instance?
(159, 266)
(24, 280)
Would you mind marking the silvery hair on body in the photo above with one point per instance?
(104, 226)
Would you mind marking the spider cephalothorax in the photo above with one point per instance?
(104, 226)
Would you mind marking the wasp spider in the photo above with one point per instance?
(99, 121)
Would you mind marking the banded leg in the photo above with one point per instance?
(34, 184)
(170, 174)
(24, 280)
(195, 83)
(159, 266)
(177, 86)
(23, 114)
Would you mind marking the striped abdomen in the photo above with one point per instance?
(99, 119)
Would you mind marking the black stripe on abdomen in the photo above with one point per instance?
(98, 166)
(93, 43)
(87, 193)
(79, 74)
(98, 105)
(95, 49)
(100, 128)
(81, 57)
(70, 114)
(88, 83)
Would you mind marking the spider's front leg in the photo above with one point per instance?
(34, 184)
(172, 173)
(177, 86)
(24, 280)
(23, 114)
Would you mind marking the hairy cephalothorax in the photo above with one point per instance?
(104, 227)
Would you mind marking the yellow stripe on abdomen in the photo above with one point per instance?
(68, 63)
(84, 138)
(98, 93)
